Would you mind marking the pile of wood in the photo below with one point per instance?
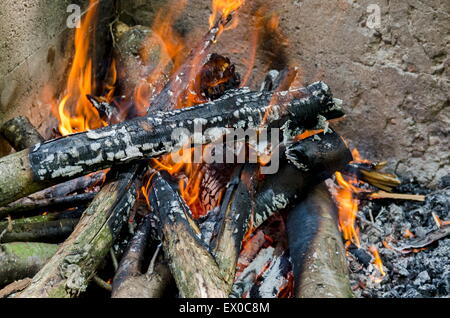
(88, 185)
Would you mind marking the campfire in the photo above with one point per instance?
(170, 175)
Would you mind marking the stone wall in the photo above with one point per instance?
(394, 78)
(36, 47)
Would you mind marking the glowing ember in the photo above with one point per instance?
(408, 234)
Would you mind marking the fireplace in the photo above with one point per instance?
(240, 149)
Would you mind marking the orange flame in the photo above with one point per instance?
(172, 54)
(75, 113)
(377, 261)
(348, 209)
(223, 8)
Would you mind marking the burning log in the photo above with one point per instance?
(183, 247)
(20, 133)
(130, 281)
(316, 248)
(180, 82)
(313, 160)
(45, 205)
(47, 232)
(69, 271)
(21, 260)
(33, 169)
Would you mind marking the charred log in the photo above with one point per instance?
(235, 213)
(20, 133)
(316, 248)
(276, 192)
(174, 93)
(71, 156)
(69, 187)
(30, 206)
(131, 280)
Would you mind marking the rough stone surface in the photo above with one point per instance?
(33, 35)
(393, 78)
(36, 48)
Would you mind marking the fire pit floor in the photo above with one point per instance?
(425, 273)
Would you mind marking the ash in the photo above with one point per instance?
(415, 275)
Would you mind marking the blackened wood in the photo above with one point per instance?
(46, 232)
(235, 213)
(21, 260)
(279, 80)
(20, 133)
(71, 186)
(71, 156)
(195, 271)
(131, 279)
(316, 248)
(68, 273)
(46, 205)
(273, 193)
(300, 170)
(108, 113)
(320, 153)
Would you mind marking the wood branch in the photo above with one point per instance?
(381, 180)
(247, 278)
(67, 273)
(14, 288)
(396, 196)
(21, 260)
(130, 280)
(46, 232)
(279, 80)
(195, 271)
(316, 248)
(54, 161)
(20, 133)
(71, 186)
(46, 205)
